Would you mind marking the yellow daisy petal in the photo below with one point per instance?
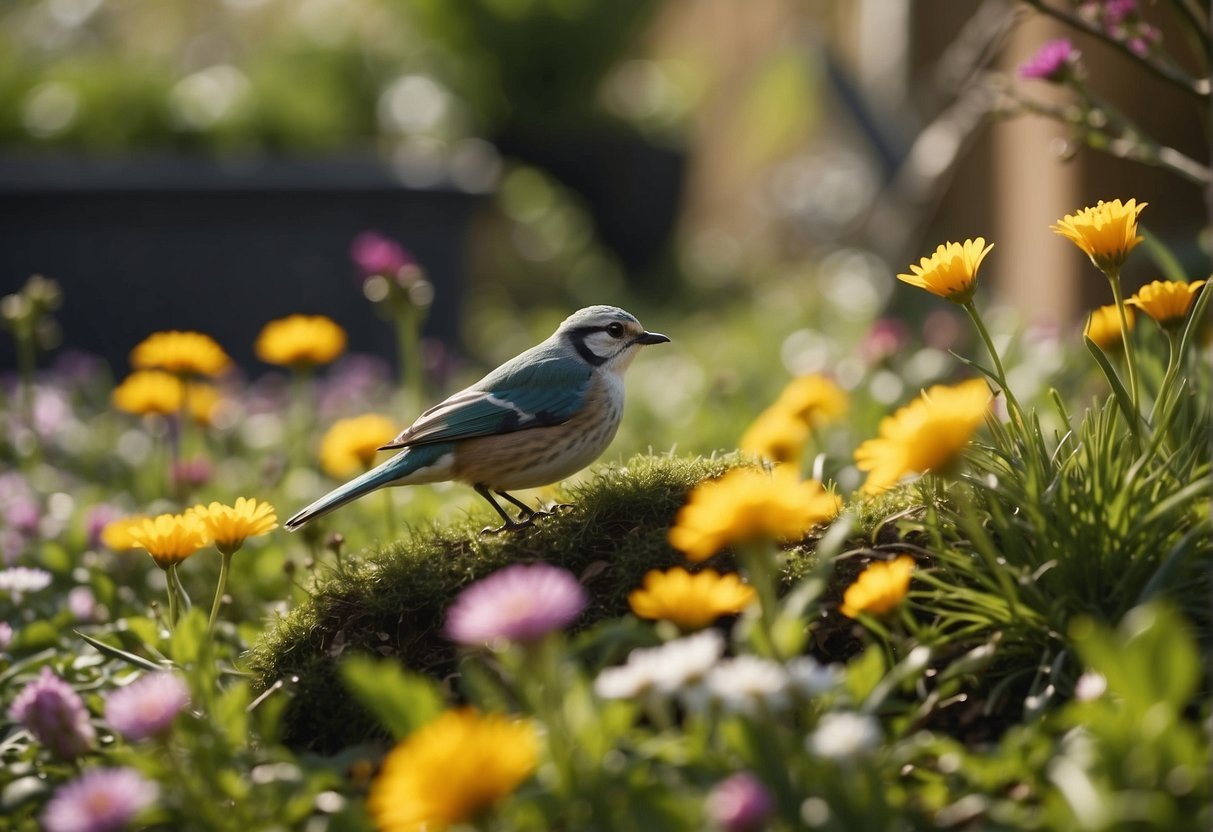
(748, 504)
(692, 602)
(451, 770)
(300, 341)
(925, 435)
(350, 445)
(879, 588)
(1166, 301)
(1105, 233)
(951, 272)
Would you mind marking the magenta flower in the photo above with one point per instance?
(147, 706)
(100, 800)
(23, 514)
(1115, 11)
(741, 803)
(55, 715)
(519, 603)
(1051, 62)
(375, 254)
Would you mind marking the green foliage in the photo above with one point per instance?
(401, 701)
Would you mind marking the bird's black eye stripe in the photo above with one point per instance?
(588, 355)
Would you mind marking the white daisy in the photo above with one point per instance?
(843, 734)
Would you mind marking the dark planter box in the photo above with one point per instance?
(220, 247)
(632, 187)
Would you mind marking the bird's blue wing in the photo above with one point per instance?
(517, 396)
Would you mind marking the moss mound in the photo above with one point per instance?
(392, 603)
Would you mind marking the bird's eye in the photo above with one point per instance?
(615, 330)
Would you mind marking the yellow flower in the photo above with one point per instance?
(780, 432)
(1166, 301)
(350, 445)
(815, 399)
(1106, 233)
(690, 601)
(204, 401)
(117, 533)
(1103, 327)
(300, 341)
(925, 435)
(148, 391)
(180, 352)
(951, 272)
(747, 504)
(451, 770)
(776, 435)
(170, 538)
(879, 588)
(229, 526)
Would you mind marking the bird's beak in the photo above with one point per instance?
(651, 338)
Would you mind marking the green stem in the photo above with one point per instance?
(174, 604)
(1174, 359)
(1113, 276)
(758, 562)
(408, 342)
(1013, 408)
(389, 513)
(27, 359)
(301, 399)
(220, 587)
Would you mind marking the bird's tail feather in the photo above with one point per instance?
(395, 470)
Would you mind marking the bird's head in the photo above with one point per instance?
(606, 336)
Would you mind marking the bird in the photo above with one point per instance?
(538, 418)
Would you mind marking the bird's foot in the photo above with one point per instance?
(550, 511)
(511, 525)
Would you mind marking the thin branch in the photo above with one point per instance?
(1135, 147)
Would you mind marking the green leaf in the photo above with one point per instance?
(230, 713)
(402, 701)
(864, 673)
(119, 654)
(1195, 315)
(1152, 658)
(1122, 395)
(189, 638)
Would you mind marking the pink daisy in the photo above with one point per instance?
(519, 603)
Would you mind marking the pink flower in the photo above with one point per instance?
(375, 254)
(1115, 11)
(6, 635)
(147, 706)
(100, 800)
(192, 473)
(83, 604)
(55, 715)
(886, 338)
(1052, 62)
(519, 603)
(23, 514)
(740, 803)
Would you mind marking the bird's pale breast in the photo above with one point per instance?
(539, 456)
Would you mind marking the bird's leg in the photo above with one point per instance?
(528, 512)
(510, 523)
